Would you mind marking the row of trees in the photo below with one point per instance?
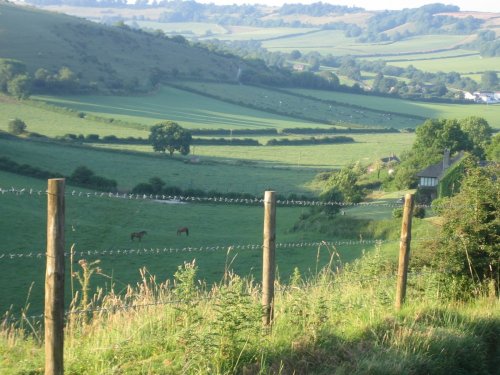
(272, 68)
(15, 80)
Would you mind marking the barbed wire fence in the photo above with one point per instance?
(55, 315)
(32, 192)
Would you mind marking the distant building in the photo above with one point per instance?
(430, 177)
(469, 96)
(488, 97)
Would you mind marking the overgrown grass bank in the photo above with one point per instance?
(342, 321)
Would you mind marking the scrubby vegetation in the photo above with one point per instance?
(337, 322)
(81, 176)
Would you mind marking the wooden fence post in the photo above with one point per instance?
(404, 251)
(268, 257)
(54, 279)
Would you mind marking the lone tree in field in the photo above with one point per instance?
(170, 136)
(17, 126)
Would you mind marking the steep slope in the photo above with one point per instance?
(104, 56)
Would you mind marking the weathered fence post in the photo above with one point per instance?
(268, 257)
(404, 251)
(54, 279)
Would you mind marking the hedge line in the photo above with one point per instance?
(231, 132)
(82, 176)
(225, 141)
(309, 141)
(156, 186)
(334, 130)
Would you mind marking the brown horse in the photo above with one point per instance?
(183, 230)
(138, 235)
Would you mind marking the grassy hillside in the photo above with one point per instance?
(101, 55)
(245, 108)
(177, 105)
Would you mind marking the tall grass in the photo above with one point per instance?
(339, 321)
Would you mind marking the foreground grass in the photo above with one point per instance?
(334, 323)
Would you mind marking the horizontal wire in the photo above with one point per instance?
(169, 250)
(194, 199)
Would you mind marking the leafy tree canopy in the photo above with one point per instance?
(16, 126)
(170, 136)
(469, 244)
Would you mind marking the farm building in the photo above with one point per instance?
(430, 177)
(488, 97)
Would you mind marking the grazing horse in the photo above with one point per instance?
(138, 235)
(183, 230)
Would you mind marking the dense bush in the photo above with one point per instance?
(17, 126)
(9, 165)
(83, 176)
(156, 186)
(468, 244)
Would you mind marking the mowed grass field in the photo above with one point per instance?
(460, 64)
(188, 29)
(190, 110)
(51, 123)
(106, 223)
(129, 169)
(234, 33)
(334, 42)
(366, 149)
(431, 110)
(311, 108)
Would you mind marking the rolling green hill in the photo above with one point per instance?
(103, 56)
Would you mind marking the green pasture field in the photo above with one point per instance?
(431, 110)
(185, 28)
(475, 77)
(464, 64)
(188, 109)
(129, 169)
(106, 223)
(299, 106)
(334, 42)
(452, 53)
(51, 123)
(233, 33)
(366, 149)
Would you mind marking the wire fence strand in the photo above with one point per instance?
(210, 249)
(162, 198)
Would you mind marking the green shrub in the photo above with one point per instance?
(17, 126)
(419, 212)
(397, 213)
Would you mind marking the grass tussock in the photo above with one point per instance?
(342, 321)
